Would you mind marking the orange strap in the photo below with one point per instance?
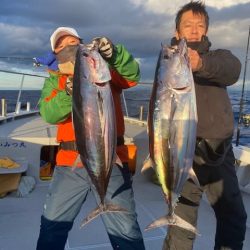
(119, 81)
(61, 86)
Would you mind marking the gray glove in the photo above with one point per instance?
(69, 86)
(105, 46)
(36, 63)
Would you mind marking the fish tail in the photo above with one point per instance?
(172, 220)
(102, 209)
(77, 162)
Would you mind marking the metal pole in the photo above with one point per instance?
(242, 93)
(4, 108)
(19, 93)
(141, 113)
(18, 73)
(28, 107)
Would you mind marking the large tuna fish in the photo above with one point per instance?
(172, 124)
(94, 122)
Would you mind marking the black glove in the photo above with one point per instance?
(105, 46)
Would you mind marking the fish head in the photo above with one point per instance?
(176, 70)
(93, 65)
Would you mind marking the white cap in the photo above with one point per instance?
(59, 32)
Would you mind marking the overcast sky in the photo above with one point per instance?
(141, 25)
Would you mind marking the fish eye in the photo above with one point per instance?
(177, 51)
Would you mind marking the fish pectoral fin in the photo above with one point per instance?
(193, 176)
(148, 163)
(77, 162)
(118, 161)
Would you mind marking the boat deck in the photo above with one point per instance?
(20, 217)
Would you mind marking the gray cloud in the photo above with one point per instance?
(25, 26)
(240, 11)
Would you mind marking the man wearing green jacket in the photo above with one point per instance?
(69, 189)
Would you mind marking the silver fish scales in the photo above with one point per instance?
(94, 123)
(172, 123)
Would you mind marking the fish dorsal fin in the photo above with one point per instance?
(193, 176)
(183, 47)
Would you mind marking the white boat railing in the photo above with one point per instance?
(242, 153)
(18, 104)
(19, 111)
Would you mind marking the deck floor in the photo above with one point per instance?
(20, 217)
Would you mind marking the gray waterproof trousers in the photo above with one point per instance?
(68, 192)
(221, 186)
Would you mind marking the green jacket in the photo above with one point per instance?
(55, 104)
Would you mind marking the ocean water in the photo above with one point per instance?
(136, 98)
